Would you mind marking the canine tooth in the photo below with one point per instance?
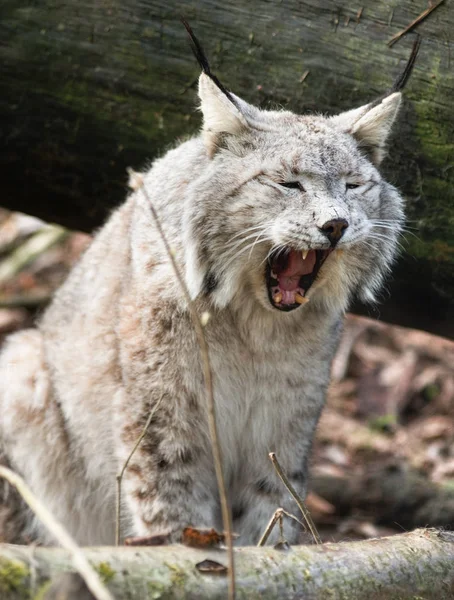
(301, 299)
(204, 318)
(304, 254)
(273, 275)
(278, 298)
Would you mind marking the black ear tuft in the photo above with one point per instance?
(197, 49)
(203, 61)
(402, 79)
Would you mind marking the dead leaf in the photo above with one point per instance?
(201, 538)
(337, 455)
(436, 427)
(318, 505)
(444, 471)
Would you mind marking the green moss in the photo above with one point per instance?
(14, 577)
(383, 423)
(448, 485)
(105, 571)
(42, 591)
(432, 390)
(156, 590)
(435, 137)
(179, 575)
(431, 128)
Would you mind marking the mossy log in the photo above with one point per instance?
(412, 566)
(88, 88)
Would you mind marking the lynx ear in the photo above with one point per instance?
(371, 124)
(220, 114)
(222, 111)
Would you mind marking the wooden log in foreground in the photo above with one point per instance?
(416, 565)
(89, 88)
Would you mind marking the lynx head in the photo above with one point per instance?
(290, 208)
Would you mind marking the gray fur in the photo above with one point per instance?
(117, 340)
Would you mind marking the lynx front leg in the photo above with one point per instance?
(255, 507)
(169, 483)
(261, 491)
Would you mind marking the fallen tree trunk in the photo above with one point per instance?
(390, 495)
(407, 566)
(87, 89)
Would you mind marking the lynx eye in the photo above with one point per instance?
(292, 185)
(352, 186)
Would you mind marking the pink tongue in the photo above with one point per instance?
(296, 268)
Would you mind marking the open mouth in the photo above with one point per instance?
(289, 275)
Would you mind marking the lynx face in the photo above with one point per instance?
(301, 211)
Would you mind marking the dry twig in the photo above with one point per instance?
(277, 516)
(359, 14)
(296, 497)
(304, 76)
(86, 571)
(413, 24)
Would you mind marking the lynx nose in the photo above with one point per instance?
(334, 230)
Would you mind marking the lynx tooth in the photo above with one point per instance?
(301, 299)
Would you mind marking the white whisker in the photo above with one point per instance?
(276, 249)
(245, 249)
(375, 249)
(238, 243)
(258, 240)
(247, 230)
(383, 237)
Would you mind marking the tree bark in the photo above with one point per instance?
(88, 88)
(408, 566)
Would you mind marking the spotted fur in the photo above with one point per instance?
(117, 341)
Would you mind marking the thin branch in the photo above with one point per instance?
(359, 15)
(413, 24)
(277, 516)
(269, 528)
(304, 76)
(306, 514)
(86, 571)
(136, 183)
(125, 466)
(290, 516)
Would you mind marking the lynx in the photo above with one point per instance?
(276, 221)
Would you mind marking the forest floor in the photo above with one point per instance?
(383, 458)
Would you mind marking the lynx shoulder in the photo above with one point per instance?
(276, 220)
